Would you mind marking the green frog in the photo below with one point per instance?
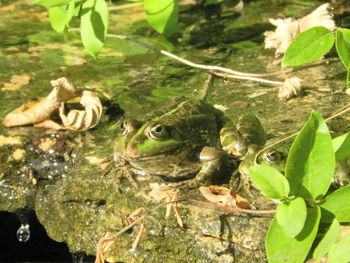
(180, 143)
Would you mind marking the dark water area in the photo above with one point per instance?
(39, 247)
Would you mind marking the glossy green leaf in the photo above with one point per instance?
(291, 216)
(337, 204)
(341, 147)
(94, 23)
(51, 3)
(339, 252)
(308, 46)
(162, 15)
(281, 248)
(311, 162)
(348, 79)
(342, 43)
(70, 12)
(58, 18)
(270, 181)
(327, 241)
(61, 15)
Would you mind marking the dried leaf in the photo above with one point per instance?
(34, 112)
(49, 124)
(46, 144)
(9, 140)
(18, 154)
(223, 196)
(81, 120)
(288, 28)
(157, 193)
(16, 82)
(20, 79)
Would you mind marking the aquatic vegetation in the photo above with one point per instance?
(304, 198)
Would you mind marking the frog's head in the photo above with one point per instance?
(272, 157)
(149, 139)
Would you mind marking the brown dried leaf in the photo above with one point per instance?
(49, 124)
(223, 196)
(82, 120)
(157, 193)
(20, 79)
(9, 140)
(34, 112)
(16, 82)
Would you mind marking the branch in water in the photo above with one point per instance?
(236, 74)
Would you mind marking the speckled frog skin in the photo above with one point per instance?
(178, 142)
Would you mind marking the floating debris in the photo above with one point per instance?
(39, 113)
(290, 88)
(288, 28)
(82, 120)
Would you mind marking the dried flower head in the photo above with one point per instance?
(288, 28)
(290, 88)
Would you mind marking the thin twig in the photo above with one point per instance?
(125, 6)
(231, 76)
(188, 62)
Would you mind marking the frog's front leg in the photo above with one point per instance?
(210, 158)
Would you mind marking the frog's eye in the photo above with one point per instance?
(273, 156)
(157, 131)
(123, 127)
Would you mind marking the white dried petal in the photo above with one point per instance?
(288, 28)
(319, 17)
(283, 35)
(290, 88)
(81, 120)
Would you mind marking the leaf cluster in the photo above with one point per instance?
(303, 195)
(162, 15)
(314, 43)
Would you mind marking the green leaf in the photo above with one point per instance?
(337, 204)
(51, 3)
(342, 43)
(327, 241)
(162, 15)
(58, 18)
(271, 182)
(70, 12)
(339, 252)
(348, 79)
(94, 23)
(341, 147)
(281, 248)
(308, 46)
(291, 216)
(310, 163)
